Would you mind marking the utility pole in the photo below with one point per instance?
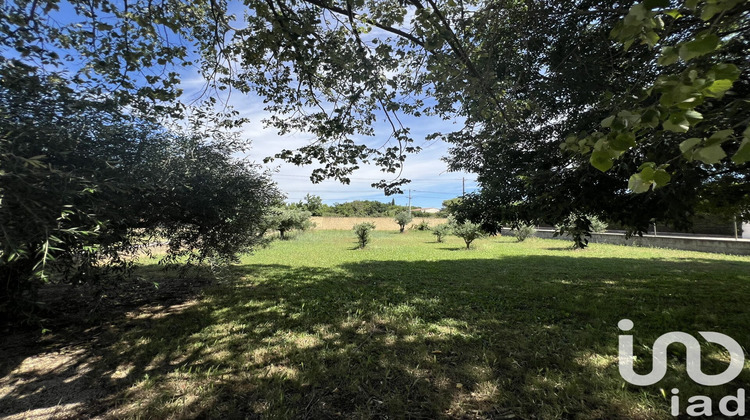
(463, 186)
(409, 202)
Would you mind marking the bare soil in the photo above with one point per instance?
(52, 367)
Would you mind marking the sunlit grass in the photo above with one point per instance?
(408, 327)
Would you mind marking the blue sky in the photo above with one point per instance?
(431, 183)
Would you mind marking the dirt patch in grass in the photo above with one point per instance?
(51, 384)
(57, 367)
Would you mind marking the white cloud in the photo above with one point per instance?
(431, 183)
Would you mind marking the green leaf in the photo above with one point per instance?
(661, 178)
(719, 137)
(689, 144)
(658, 23)
(650, 118)
(668, 56)
(647, 173)
(743, 153)
(607, 122)
(645, 165)
(623, 141)
(691, 4)
(677, 125)
(674, 13)
(639, 11)
(690, 103)
(637, 184)
(710, 155)
(718, 87)
(601, 160)
(702, 45)
(583, 146)
(726, 71)
(693, 116)
(650, 38)
(711, 10)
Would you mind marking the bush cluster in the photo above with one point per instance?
(441, 231)
(363, 232)
(83, 184)
(524, 231)
(403, 219)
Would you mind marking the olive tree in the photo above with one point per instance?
(363, 231)
(441, 231)
(402, 219)
(83, 184)
(288, 219)
(468, 231)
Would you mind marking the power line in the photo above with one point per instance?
(409, 203)
(376, 192)
(373, 191)
(373, 179)
(434, 192)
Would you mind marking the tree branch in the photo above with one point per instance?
(338, 10)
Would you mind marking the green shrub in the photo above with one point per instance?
(363, 230)
(423, 225)
(579, 226)
(441, 231)
(84, 183)
(597, 225)
(524, 231)
(285, 220)
(403, 219)
(468, 232)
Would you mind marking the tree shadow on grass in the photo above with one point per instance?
(469, 338)
(563, 248)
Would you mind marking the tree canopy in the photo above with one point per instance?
(635, 111)
(84, 184)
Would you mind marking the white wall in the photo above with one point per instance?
(717, 245)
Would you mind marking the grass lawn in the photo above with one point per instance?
(411, 328)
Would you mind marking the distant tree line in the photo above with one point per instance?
(357, 208)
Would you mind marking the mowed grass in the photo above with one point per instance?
(411, 328)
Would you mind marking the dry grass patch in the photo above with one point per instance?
(381, 223)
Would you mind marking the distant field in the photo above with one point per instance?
(381, 223)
